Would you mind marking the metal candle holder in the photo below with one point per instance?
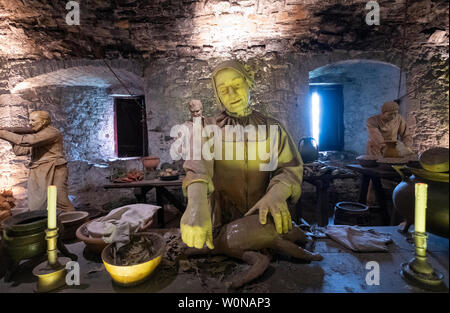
(51, 273)
(418, 271)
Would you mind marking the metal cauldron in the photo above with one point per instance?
(24, 235)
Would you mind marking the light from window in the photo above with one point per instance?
(315, 111)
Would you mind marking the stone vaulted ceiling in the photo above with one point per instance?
(36, 29)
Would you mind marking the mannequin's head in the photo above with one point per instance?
(232, 82)
(196, 108)
(39, 120)
(389, 111)
(232, 90)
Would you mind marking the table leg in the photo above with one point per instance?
(379, 194)
(322, 203)
(141, 194)
(363, 189)
(159, 202)
(172, 199)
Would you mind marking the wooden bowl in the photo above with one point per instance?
(95, 245)
(131, 275)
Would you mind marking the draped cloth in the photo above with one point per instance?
(234, 186)
(48, 166)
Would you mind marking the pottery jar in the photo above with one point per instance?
(309, 150)
(437, 212)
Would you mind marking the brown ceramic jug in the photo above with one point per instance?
(437, 216)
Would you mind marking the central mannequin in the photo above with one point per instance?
(220, 191)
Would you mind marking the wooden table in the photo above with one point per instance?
(144, 186)
(340, 271)
(375, 174)
(322, 183)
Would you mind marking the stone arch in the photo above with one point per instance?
(92, 73)
(367, 84)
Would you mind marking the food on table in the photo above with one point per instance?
(133, 175)
(168, 172)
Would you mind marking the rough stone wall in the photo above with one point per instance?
(180, 41)
(169, 88)
(85, 116)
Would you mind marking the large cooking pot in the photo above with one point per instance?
(24, 234)
(437, 216)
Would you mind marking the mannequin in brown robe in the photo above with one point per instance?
(388, 126)
(48, 165)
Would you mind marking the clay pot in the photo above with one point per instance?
(150, 162)
(71, 221)
(390, 151)
(309, 150)
(437, 216)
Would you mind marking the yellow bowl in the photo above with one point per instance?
(134, 274)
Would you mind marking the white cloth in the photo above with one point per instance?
(357, 239)
(121, 222)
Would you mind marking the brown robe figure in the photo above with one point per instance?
(48, 165)
(186, 133)
(386, 127)
(196, 109)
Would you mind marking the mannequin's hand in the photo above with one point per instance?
(275, 203)
(195, 225)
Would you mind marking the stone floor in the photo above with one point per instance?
(341, 271)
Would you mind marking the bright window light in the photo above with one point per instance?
(315, 110)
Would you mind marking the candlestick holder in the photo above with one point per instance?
(418, 271)
(51, 273)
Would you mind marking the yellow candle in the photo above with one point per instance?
(51, 207)
(421, 207)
